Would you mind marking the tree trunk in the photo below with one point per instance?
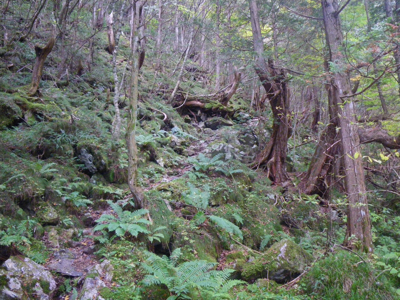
(116, 126)
(273, 79)
(133, 106)
(41, 55)
(359, 224)
(110, 32)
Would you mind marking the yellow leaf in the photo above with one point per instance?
(356, 155)
(384, 157)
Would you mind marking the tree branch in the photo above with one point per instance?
(301, 15)
(343, 7)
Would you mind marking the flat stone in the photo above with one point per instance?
(65, 266)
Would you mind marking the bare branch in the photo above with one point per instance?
(302, 15)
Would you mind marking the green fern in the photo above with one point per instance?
(203, 164)
(227, 226)
(188, 278)
(197, 197)
(125, 222)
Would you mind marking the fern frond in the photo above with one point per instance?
(227, 226)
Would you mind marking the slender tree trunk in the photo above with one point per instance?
(116, 126)
(273, 79)
(378, 83)
(138, 20)
(41, 55)
(217, 53)
(171, 98)
(159, 31)
(359, 224)
(396, 53)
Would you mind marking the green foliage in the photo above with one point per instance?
(125, 221)
(77, 199)
(227, 226)
(188, 278)
(17, 234)
(197, 197)
(204, 164)
(343, 275)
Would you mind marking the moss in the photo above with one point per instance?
(9, 110)
(283, 258)
(342, 275)
(45, 286)
(196, 244)
(3, 281)
(160, 215)
(155, 292)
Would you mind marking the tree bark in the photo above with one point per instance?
(359, 224)
(110, 32)
(273, 79)
(133, 106)
(116, 126)
(41, 55)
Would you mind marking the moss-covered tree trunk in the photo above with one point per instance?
(41, 55)
(138, 19)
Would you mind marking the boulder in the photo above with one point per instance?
(47, 215)
(284, 261)
(96, 280)
(22, 278)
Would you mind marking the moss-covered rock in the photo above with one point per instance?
(9, 110)
(282, 262)
(196, 243)
(161, 215)
(47, 215)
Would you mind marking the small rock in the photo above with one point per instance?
(217, 122)
(89, 250)
(88, 220)
(53, 237)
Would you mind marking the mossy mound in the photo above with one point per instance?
(9, 111)
(196, 243)
(282, 262)
(343, 275)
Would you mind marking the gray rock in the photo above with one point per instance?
(96, 280)
(25, 277)
(87, 159)
(64, 264)
(217, 122)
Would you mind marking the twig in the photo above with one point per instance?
(348, 249)
(165, 115)
(248, 248)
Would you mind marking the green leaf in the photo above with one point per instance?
(120, 232)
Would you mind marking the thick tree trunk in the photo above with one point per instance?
(274, 82)
(41, 55)
(359, 224)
